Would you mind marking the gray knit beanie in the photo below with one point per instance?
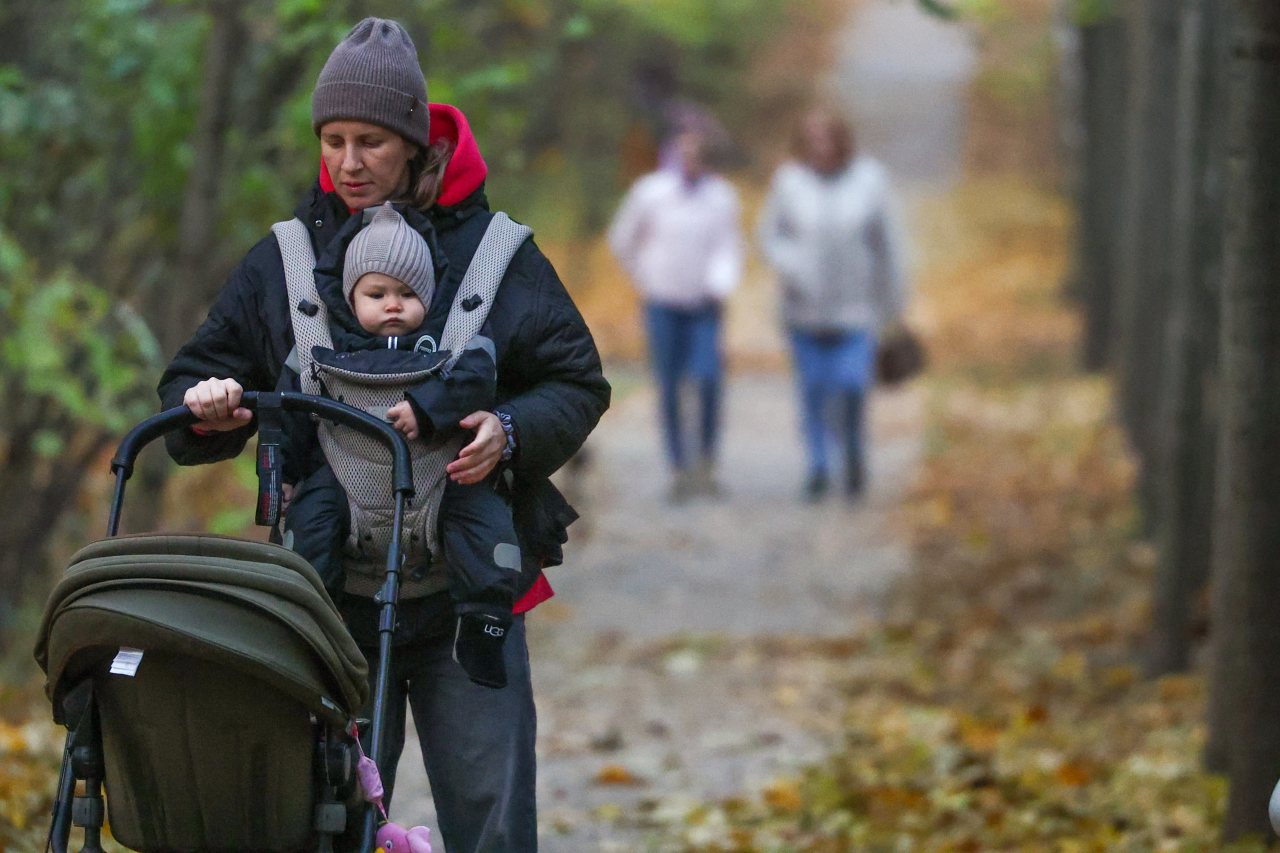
(388, 245)
(373, 75)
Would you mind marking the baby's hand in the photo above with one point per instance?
(402, 418)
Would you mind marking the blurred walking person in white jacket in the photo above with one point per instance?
(678, 235)
(829, 232)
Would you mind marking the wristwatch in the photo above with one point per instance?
(509, 430)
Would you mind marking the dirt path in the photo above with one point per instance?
(669, 657)
(694, 652)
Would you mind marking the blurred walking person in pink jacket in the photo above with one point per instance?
(678, 235)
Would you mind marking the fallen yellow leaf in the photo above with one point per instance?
(616, 774)
(1074, 774)
(784, 796)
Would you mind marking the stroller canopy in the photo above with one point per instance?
(255, 607)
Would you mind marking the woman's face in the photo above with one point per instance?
(821, 147)
(367, 163)
(692, 151)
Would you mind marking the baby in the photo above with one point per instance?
(388, 281)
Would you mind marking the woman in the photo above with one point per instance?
(677, 234)
(380, 141)
(828, 230)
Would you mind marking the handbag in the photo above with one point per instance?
(899, 356)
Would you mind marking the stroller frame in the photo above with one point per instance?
(83, 754)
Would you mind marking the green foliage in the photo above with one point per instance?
(1082, 12)
(94, 136)
(1086, 12)
(1027, 75)
(689, 23)
(237, 519)
(105, 100)
(939, 9)
(71, 356)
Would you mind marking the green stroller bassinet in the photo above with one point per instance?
(208, 682)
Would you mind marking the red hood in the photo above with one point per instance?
(466, 170)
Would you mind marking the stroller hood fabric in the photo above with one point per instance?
(251, 606)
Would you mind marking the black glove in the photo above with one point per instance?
(477, 645)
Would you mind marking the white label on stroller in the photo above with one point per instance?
(126, 662)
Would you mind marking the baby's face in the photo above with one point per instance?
(386, 306)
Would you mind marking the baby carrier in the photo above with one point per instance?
(360, 464)
(208, 682)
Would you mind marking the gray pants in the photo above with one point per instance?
(477, 742)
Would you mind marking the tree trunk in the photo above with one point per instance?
(1185, 489)
(1146, 233)
(194, 281)
(1102, 53)
(1247, 520)
(1209, 242)
(47, 488)
(1218, 712)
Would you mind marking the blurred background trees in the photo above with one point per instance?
(1179, 265)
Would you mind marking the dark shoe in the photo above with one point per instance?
(477, 646)
(704, 480)
(815, 489)
(683, 488)
(855, 484)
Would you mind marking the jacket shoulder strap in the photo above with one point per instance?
(479, 285)
(307, 313)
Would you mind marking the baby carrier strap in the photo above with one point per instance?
(307, 311)
(479, 287)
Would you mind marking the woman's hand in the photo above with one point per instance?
(216, 402)
(478, 458)
(402, 418)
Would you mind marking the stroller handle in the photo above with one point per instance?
(180, 417)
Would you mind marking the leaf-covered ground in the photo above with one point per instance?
(999, 705)
(30, 748)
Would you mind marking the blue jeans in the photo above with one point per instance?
(833, 368)
(685, 343)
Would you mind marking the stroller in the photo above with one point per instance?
(208, 682)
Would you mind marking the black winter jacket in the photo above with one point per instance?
(549, 374)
